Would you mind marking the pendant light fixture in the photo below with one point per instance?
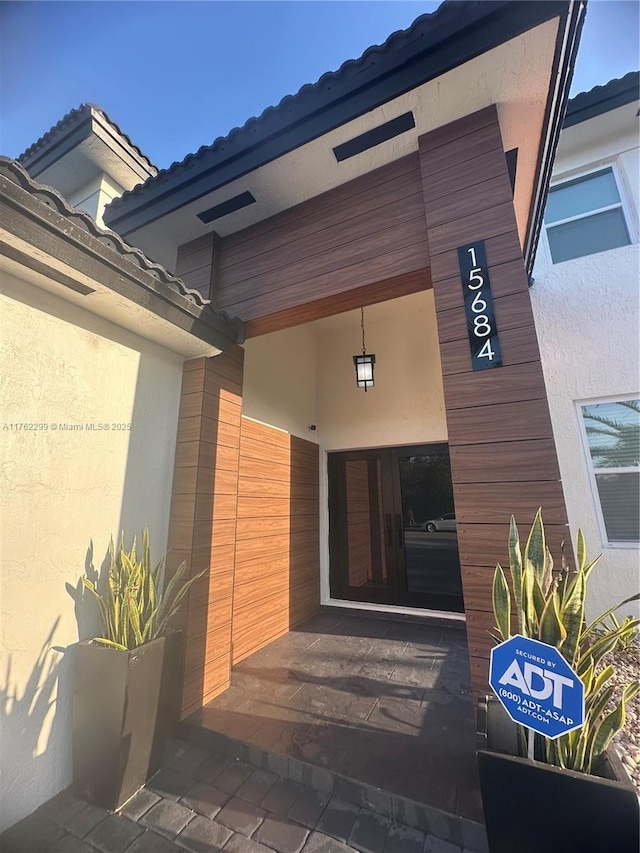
(364, 363)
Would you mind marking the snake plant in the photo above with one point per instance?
(549, 606)
(134, 609)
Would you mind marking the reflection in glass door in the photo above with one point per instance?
(392, 528)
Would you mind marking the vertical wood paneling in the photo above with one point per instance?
(277, 572)
(498, 420)
(203, 518)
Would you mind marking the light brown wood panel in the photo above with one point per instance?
(202, 636)
(505, 461)
(519, 346)
(516, 383)
(471, 200)
(370, 294)
(486, 544)
(503, 422)
(203, 518)
(274, 564)
(495, 503)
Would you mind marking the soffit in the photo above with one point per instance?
(516, 76)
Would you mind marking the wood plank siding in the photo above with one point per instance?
(203, 518)
(277, 569)
(361, 243)
(503, 457)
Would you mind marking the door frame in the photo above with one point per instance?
(396, 593)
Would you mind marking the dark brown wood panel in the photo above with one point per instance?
(519, 346)
(370, 294)
(517, 383)
(277, 573)
(512, 312)
(495, 503)
(359, 234)
(504, 422)
(203, 519)
(505, 461)
(193, 263)
(503, 411)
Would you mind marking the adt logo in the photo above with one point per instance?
(536, 686)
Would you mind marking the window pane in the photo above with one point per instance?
(596, 233)
(582, 195)
(620, 502)
(613, 432)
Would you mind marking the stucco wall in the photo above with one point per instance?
(64, 493)
(587, 314)
(95, 196)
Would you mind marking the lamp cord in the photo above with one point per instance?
(364, 349)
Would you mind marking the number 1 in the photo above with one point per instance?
(472, 252)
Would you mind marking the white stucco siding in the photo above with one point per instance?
(587, 314)
(64, 493)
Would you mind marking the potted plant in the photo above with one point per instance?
(574, 795)
(128, 681)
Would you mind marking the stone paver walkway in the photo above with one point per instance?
(205, 801)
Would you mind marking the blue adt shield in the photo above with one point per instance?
(536, 686)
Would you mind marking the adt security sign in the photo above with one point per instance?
(536, 686)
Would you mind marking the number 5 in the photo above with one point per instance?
(474, 275)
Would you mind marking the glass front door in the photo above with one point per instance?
(392, 528)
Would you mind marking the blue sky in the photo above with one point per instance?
(175, 75)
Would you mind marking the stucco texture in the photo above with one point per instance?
(65, 492)
(587, 314)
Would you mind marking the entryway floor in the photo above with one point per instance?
(382, 702)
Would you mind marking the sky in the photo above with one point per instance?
(176, 75)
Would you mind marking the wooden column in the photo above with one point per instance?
(503, 457)
(202, 528)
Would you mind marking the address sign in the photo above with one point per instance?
(478, 306)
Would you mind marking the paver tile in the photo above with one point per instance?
(85, 820)
(170, 784)
(257, 786)
(139, 804)
(241, 816)
(338, 819)
(282, 796)
(114, 834)
(204, 836)
(318, 842)
(281, 834)
(240, 844)
(233, 776)
(167, 818)
(204, 799)
(309, 807)
(402, 839)
(151, 842)
(369, 832)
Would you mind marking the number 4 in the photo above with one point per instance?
(486, 351)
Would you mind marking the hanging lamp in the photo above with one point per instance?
(364, 363)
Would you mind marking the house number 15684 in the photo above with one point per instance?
(478, 305)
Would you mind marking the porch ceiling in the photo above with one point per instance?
(518, 75)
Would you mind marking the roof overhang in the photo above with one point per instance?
(456, 61)
(82, 145)
(63, 251)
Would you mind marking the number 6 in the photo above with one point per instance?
(478, 305)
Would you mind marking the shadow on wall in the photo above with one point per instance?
(29, 722)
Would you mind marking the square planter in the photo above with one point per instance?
(531, 806)
(125, 705)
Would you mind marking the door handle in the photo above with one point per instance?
(400, 531)
(389, 529)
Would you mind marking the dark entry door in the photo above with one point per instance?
(392, 527)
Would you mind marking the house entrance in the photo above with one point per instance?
(392, 528)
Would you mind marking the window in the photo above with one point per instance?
(612, 438)
(584, 216)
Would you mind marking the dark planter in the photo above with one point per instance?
(125, 705)
(530, 806)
